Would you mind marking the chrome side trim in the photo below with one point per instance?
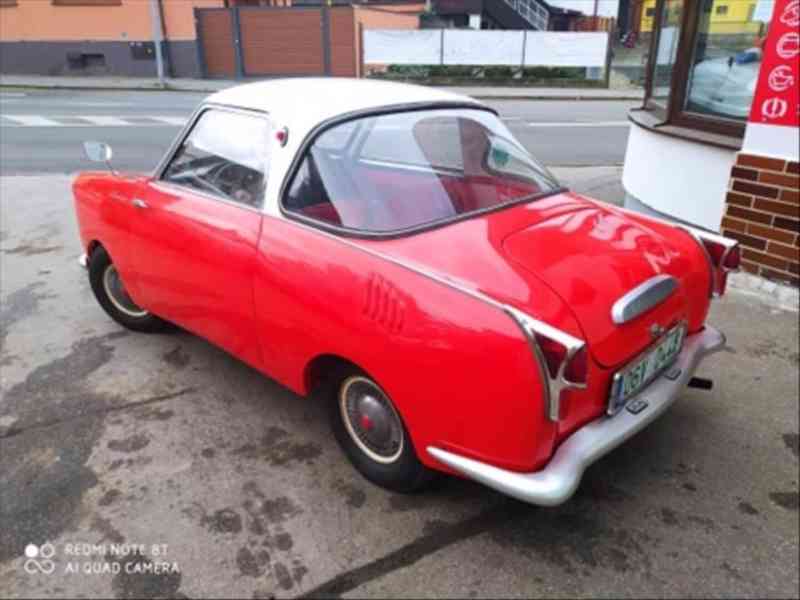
(558, 383)
(556, 483)
(526, 323)
(642, 298)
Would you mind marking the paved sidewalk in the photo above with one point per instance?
(213, 85)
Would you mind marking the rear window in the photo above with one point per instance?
(403, 170)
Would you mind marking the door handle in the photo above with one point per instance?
(138, 203)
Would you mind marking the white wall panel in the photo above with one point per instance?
(463, 47)
(402, 46)
(467, 47)
(566, 49)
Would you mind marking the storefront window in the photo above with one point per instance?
(726, 57)
(705, 57)
(667, 50)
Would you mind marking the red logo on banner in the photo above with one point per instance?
(777, 97)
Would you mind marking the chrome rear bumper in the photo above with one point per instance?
(557, 482)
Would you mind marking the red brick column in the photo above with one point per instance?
(763, 212)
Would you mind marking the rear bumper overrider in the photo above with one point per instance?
(558, 481)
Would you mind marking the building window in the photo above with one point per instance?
(725, 62)
(669, 32)
(650, 12)
(704, 65)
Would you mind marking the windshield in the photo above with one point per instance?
(403, 170)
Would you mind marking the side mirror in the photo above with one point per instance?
(97, 151)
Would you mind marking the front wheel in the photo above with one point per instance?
(372, 434)
(111, 294)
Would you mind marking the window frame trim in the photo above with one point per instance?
(349, 232)
(675, 113)
(157, 176)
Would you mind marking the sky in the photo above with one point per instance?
(605, 8)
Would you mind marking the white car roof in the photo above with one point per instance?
(304, 102)
(300, 104)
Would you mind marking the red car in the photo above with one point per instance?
(395, 252)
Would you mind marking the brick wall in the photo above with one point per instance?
(763, 212)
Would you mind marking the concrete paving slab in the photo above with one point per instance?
(111, 440)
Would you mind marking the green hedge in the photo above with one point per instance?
(474, 74)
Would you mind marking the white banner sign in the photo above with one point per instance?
(402, 46)
(565, 49)
(467, 47)
(462, 47)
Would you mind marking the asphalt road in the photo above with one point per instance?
(41, 131)
(163, 441)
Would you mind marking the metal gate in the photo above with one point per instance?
(272, 41)
(216, 44)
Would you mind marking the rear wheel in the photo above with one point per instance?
(372, 434)
(110, 292)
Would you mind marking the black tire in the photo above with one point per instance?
(403, 473)
(101, 267)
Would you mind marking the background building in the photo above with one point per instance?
(716, 142)
(216, 38)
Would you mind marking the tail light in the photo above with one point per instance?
(577, 370)
(563, 359)
(724, 256)
(555, 354)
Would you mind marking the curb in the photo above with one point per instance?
(774, 294)
(557, 97)
(208, 90)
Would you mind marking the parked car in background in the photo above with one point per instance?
(393, 251)
(724, 86)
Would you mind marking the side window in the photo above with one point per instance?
(225, 154)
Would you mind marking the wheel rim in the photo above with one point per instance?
(115, 290)
(371, 420)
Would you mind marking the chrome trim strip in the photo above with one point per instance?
(526, 323)
(558, 383)
(396, 261)
(556, 483)
(642, 298)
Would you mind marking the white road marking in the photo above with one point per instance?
(178, 121)
(7, 120)
(12, 95)
(33, 120)
(105, 121)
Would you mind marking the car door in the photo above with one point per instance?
(196, 230)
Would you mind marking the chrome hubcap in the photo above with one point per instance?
(371, 420)
(115, 290)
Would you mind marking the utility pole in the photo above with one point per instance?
(158, 34)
